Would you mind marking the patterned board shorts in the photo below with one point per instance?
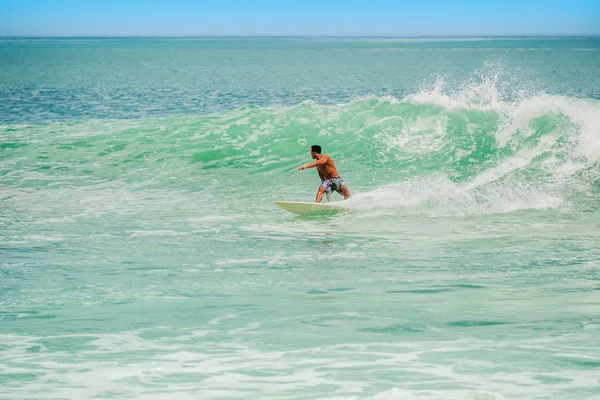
(332, 184)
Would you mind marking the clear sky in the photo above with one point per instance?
(298, 18)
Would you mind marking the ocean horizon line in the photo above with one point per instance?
(549, 36)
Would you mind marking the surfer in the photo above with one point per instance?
(330, 179)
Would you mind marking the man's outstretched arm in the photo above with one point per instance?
(321, 161)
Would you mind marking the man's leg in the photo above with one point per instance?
(346, 192)
(320, 194)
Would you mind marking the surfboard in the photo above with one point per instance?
(305, 208)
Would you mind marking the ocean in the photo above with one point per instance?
(142, 255)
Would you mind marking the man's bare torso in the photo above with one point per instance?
(327, 170)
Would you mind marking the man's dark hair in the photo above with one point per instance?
(316, 149)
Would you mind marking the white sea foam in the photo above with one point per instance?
(194, 362)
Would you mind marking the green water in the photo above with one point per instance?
(141, 254)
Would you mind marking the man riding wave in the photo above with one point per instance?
(330, 179)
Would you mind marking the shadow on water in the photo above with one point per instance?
(326, 237)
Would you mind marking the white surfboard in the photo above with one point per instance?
(305, 208)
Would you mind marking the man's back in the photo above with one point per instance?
(328, 169)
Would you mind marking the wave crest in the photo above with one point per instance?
(469, 150)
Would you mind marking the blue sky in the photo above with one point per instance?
(298, 18)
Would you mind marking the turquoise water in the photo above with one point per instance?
(141, 254)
